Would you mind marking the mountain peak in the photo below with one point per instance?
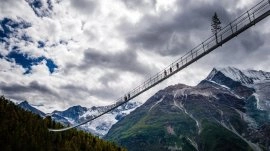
(26, 106)
(24, 102)
(77, 107)
(244, 76)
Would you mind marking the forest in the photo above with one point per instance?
(23, 130)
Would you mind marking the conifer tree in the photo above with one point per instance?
(215, 25)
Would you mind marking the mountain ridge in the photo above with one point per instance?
(77, 114)
(244, 76)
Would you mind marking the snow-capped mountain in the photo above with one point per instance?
(229, 110)
(244, 76)
(77, 114)
(99, 126)
(239, 80)
(72, 112)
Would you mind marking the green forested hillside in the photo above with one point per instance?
(22, 130)
(185, 118)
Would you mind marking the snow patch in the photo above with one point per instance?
(101, 126)
(128, 111)
(180, 92)
(223, 86)
(156, 104)
(259, 107)
(189, 91)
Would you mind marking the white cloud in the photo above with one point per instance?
(14, 9)
(75, 28)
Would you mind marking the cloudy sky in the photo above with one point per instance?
(60, 53)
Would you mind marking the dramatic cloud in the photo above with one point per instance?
(33, 86)
(84, 6)
(255, 41)
(172, 33)
(122, 61)
(68, 52)
(140, 4)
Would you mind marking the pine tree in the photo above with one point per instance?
(216, 25)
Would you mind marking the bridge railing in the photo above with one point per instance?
(240, 24)
(213, 41)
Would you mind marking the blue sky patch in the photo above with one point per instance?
(38, 7)
(41, 44)
(36, 3)
(27, 62)
(51, 65)
(10, 27)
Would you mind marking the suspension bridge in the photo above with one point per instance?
(248, 19)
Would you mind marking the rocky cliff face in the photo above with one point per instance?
(229, 110)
